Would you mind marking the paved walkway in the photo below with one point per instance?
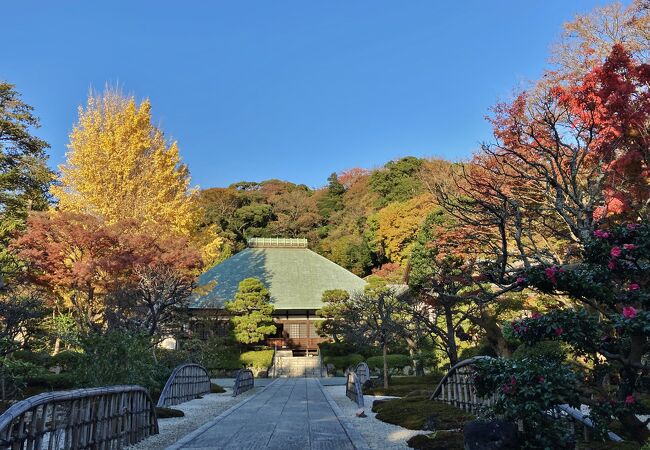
(290, 413)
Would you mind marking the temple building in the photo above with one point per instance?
(296, 278)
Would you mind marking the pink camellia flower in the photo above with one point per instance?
(615, 252)
(632, 226)
(629, 246)
(601, 234)
(559, 331)
(521, 280)
(630, 400)
(541, 379)
(611, 265)
(550, 274)
(629, 312)
(536, 315)
(633, 287)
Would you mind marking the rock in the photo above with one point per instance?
(491, 435)
(407, 370)
(360, 413)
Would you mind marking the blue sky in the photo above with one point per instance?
(295, 90)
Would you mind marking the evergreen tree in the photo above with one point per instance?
(251, 310)
(24, 175)
(333, 198)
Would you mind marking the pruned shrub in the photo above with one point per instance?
(52, 381)
(394, 362)
(259, 359)
(66, 359)
(343, 362)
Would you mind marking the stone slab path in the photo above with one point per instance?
(290, 413)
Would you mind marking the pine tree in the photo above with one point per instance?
(251, 311)
(24, 175)
(121, 167)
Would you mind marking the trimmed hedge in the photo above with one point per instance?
(260, 359)
(394, 361)
(67, 359)
(343, 362)
(337, 348)
(52, 381)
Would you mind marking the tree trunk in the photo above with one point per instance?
(57, 346)
(385, 366)
(493, 334)
(417, 362)
(451, 337)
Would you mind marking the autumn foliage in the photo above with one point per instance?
(86, 263)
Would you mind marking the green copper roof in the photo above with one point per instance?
(296, 277)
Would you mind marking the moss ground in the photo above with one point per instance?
(166, 413)
(418, 412)
(402, 386)
(216, 389)
(439, 440)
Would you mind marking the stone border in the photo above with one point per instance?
(203, 428)
(358, 441)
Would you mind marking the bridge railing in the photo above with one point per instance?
(187, 382)
(457, 388)
(363, 372)
(353, 388)
(243, 382)
(103, 418)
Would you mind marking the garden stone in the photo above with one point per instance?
(407, 370)
(490, 435)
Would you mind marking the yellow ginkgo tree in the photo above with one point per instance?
(120, 167)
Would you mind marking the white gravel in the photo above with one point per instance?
(378, 434)
(197, 412)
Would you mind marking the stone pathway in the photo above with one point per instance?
(290, 413)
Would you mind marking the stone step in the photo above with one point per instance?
(297, 366)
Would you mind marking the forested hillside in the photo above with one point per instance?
(364, 220)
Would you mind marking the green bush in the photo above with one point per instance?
(427, 359)
(527, 388)
(174, 358)
(545, 349)
(477, 350)
(52, 381)
(119, 357)
(214, 353)
(41, 359)
(343, 362)
(67, 359)
(260, 359)
(338, 349)
(394, 362)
